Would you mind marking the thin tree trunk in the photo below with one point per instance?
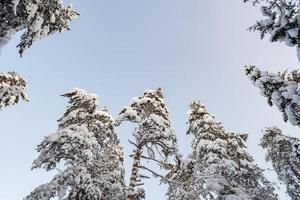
(78, 195)
(134, 174)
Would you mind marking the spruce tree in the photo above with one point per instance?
(219, 166)
(283, 153)
(281, 21)
(37, 18)
(154, 134)
(12, 89)
(86, 143)
(280, 89)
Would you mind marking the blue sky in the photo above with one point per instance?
(117, 49)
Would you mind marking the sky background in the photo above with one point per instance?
(193, 49)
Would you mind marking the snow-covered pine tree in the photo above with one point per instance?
(219, 166)
(154, 134)
(87, 145)
(283, 153)
(281, 89)
(38, 19)
(281, 22)
(12, 89)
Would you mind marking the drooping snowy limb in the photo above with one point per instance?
(219, 166)
(283, 153)
(88, 146)
(281, 21)
(154, 135)
(281, 89)
(57, 187)
(12, 89)
(38, 19)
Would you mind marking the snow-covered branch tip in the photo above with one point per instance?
(38, 19)
(12, 89)
(281, 21)
(281, 90)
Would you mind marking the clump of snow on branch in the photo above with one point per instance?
(219, 166)
(12, 89)
(87, 145)
(38, 19)
(281, 21)
(280, 89)
(283, 153)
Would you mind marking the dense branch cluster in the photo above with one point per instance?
(38, 19)
(12, 89)
(280, 89)
(283, 153)
(281, 22)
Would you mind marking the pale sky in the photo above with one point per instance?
(193, 49)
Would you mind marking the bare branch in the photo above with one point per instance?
(158, 175)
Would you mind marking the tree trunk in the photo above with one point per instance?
(78, 195)
(134, 174)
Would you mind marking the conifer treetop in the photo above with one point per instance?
(87, 144)
(153, 134)
(219, 167)
(152, 116)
